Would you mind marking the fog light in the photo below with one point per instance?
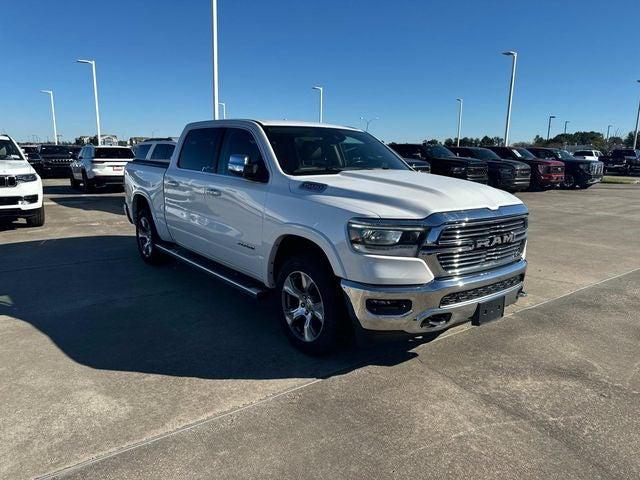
(388, 307)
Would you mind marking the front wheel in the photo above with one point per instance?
(147, 238)
(569, 181)
(313, 314)
(36, 220)
(75, 184)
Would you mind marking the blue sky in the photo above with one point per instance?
(403, 61)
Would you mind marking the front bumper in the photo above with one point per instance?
(428, 312)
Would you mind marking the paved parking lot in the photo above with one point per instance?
(110, 368)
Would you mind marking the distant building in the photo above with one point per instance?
(106, 140)
(136, 140)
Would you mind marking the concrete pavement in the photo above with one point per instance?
(110, 368)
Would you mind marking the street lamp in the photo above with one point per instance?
(320, 89)
(459, 100)
(53, 115)
(565, 126)
(635, 137)
(214, 32)
(224, 109)
(511, 84)
(608, 130)
(549, 126)
(95, 95)
(368, 121)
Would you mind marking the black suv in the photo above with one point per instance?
(504, 174)
(56, 160)
(623, 160)
(577, 172)
(443, 161)
(33, 157)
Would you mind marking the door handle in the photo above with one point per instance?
(172, 183)
(213, 192)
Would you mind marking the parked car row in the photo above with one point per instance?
(508, 168)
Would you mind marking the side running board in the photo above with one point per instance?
(242, 282)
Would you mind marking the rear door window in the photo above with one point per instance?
(141, 151)
(162, 151)
(200, 149)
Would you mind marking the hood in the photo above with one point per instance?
(399, 194)
(547, 161)
(504, 161)
(15, 167)
(463, 161)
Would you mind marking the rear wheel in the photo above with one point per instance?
(36, 220)
(312, 310)
(147, 238)
(87, 185)
(75, 184)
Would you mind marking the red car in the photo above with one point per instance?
(545, 173)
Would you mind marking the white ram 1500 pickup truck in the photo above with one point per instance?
(336, 223)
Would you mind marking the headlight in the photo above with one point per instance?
(507, 171)
(385, 237)
(29, 177)
(457, 170)
(543, 168)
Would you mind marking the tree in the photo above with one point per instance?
(538, 140)
(449, 142)
(433, 141)
(487, 141)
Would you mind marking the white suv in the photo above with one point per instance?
(20, 186)
(99, 166)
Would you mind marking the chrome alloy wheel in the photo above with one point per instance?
(145, 236)
(302, 306)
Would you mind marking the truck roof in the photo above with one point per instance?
(272, 123)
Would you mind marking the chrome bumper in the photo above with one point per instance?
(425, 300)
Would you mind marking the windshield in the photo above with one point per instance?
(54, 150)
(8, 151)
(30, 149)
(523, 152)
(113, 153)
(564, 155)
(319, 150)
(484, 154)
(437, 151)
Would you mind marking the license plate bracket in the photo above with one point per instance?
(488, 311)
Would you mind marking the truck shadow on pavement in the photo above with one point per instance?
(106, 309)
(92, 203)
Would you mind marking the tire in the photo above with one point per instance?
(312, 309)
(75, 184)
(87, 185)
(147, 238)
(569, 182)
(36, 220)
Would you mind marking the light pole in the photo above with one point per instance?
(635, 137)
(95, 95)
(608, 130)
(368, 121)
(53, 115)
(514, 55)
(549, 126)
(565, 126)
(459, 100)
(224, 109)
(320, 89)
(214, 32)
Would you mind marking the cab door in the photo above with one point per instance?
(187, 184)
(237, 204)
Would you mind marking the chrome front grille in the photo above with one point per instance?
(8, 181)
(475, 245)
(597, 168)
(556, 169)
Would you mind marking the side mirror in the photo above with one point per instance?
(241, 166)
